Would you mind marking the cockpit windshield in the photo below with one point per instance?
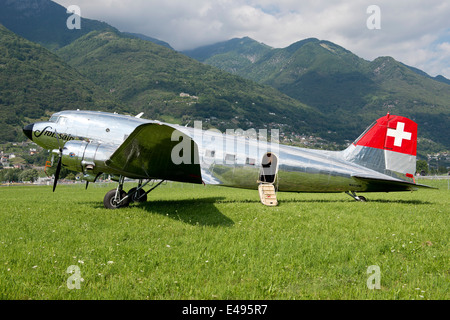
(58, 119)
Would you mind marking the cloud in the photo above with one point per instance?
(414, 32)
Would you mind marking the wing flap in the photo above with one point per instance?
(147, 154)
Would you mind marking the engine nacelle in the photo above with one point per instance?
(86, 157)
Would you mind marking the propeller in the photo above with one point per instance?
(58, 167)
(58, 170)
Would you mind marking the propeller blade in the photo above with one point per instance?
(58, 170)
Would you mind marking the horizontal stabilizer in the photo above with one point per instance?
(376, 184)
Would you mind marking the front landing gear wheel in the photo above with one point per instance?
(110, 201)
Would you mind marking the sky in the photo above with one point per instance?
(415, 32)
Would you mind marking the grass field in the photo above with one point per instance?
(203, 242)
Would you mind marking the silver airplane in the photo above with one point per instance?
(382, 159)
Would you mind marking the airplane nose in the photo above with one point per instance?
(28, 131)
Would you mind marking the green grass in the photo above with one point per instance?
(197, 242)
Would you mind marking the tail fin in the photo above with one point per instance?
(388, 146)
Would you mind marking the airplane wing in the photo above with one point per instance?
(147, 152)
(377, 184)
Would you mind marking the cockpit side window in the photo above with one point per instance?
(62, 120)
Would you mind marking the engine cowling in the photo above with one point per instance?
(86, 157)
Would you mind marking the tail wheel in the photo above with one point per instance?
(137, 196)
(110, 201)
(362, 199)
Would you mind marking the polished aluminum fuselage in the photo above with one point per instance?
(233, 160)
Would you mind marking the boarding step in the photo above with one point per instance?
(267, 194)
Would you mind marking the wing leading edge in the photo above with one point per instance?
(147, 154)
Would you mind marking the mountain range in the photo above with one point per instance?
(167, 85)
(311, 87)
(35, 82)
(338, 83)
(43, 22)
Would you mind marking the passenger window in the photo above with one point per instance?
(250, 161)
(210, 153)
(230, 158)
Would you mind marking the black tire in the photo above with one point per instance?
(110, 203)
(139, 196)
(362, 199)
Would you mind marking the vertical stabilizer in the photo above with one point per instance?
(388, 146)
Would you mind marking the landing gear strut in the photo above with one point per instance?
(118, 198)
(354, 196)
(138, 194)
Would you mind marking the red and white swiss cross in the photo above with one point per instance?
(394, 133)
(401, 135)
